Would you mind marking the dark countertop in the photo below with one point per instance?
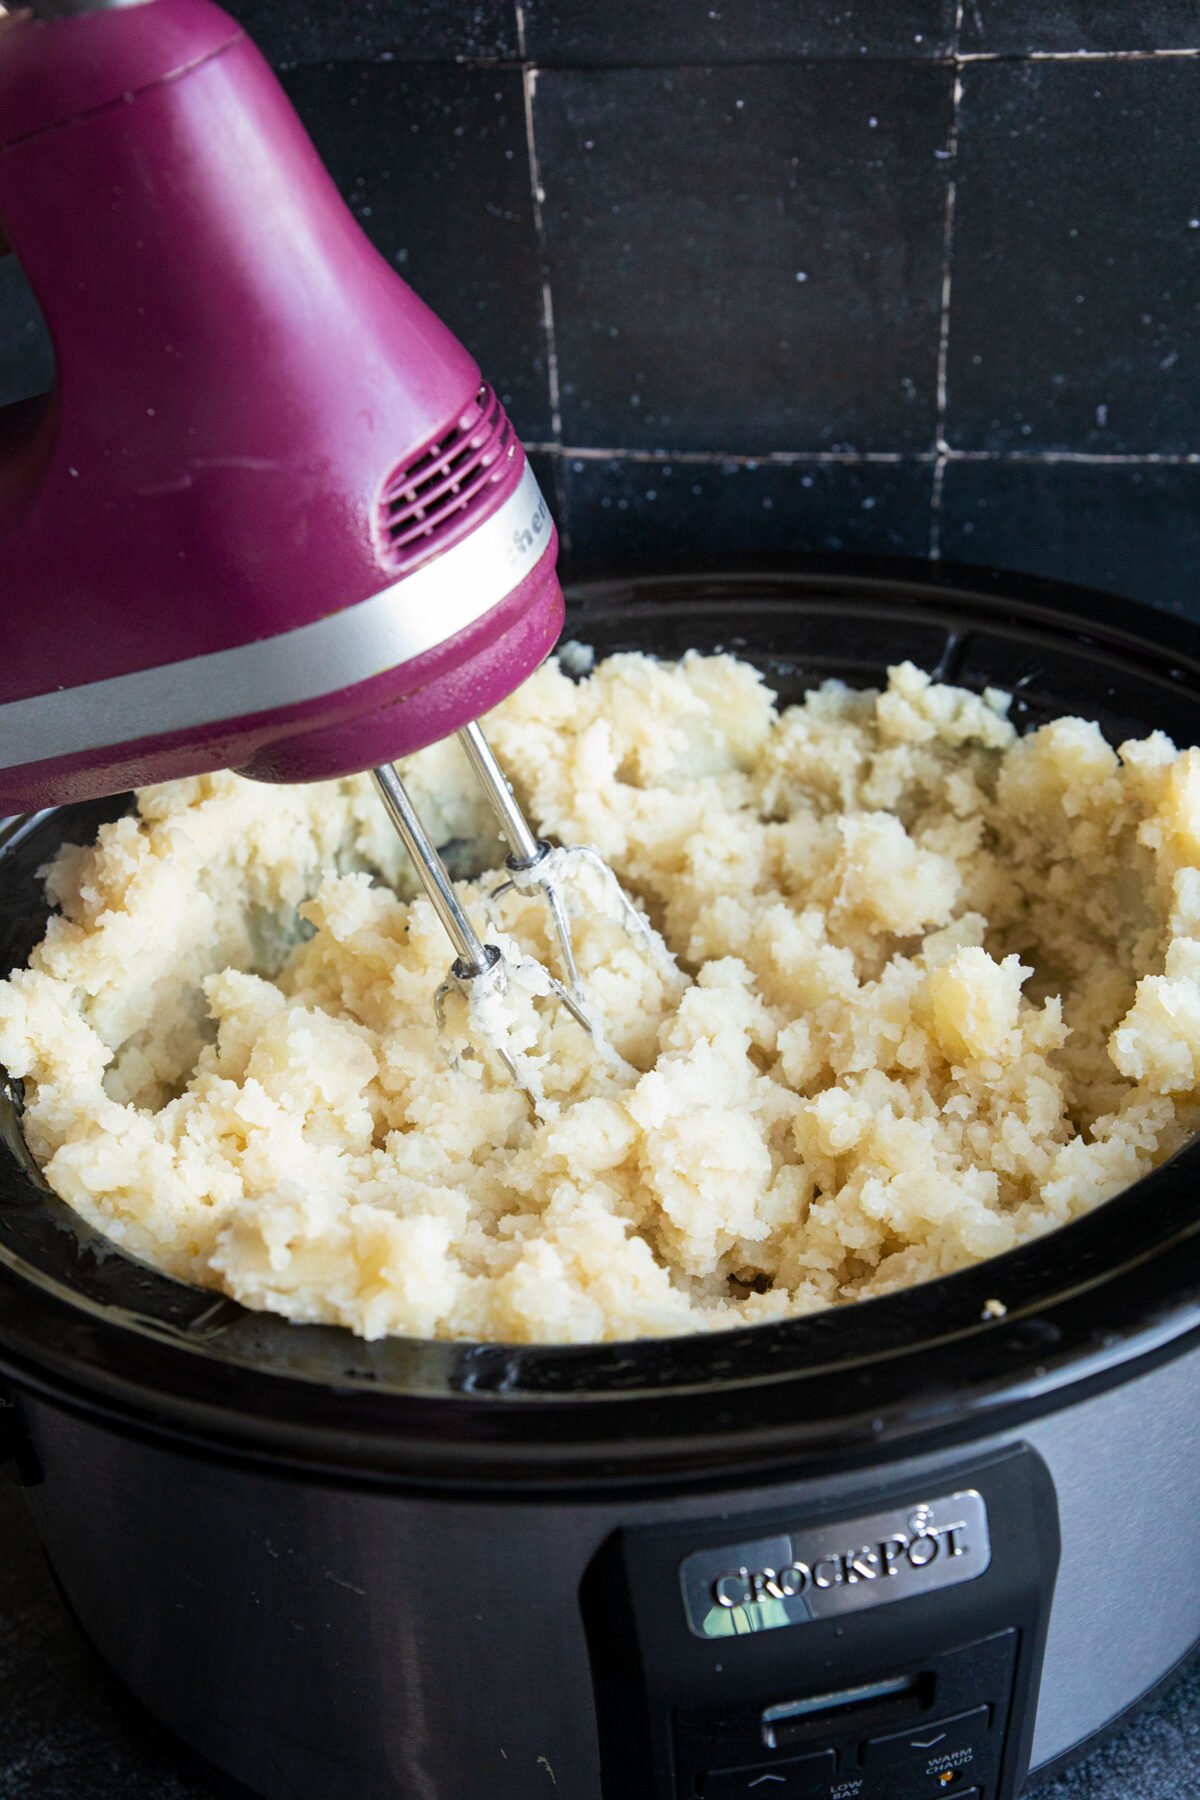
(68, 1732)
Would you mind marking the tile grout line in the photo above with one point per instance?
(978, 56)
(1180, 53)
(1136, 459)
(782, 59)
(939, 430)
(784, 459)
(529, 75)
(743, 458)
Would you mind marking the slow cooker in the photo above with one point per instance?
(923, 1545)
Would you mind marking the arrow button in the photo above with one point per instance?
(942, 1744)
(801, 1778)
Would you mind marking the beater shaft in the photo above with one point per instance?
(494, 783)
(471, 953)
(528, 852)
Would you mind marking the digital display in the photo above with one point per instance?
(855, 1696)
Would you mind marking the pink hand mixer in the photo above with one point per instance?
(268, 517)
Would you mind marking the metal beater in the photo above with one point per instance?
(481, 970)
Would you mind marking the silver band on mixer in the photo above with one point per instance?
(408, 618)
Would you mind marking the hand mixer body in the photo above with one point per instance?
(268, 517)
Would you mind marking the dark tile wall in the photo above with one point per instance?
(916, 278)
(580, 33)
(357, 30)
(746, 258)
(651, 506)
(1132, 526)
(1075, 299)
(1019, 27)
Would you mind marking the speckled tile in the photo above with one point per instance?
(1133, 529)
(406, 30)
(582, 32)
(746, 259)
(623, 508)
(1015, 27)
(434, 162)
(1075, 299)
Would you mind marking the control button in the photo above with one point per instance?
(941, 1744)
(795, 1780)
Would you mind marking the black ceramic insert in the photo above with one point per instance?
(1134, 528)
(434, 162)
(746, 258)
(1075, 316)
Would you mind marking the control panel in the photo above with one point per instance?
(924, 1732)
(884, 1650)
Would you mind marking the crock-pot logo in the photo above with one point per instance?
(811, 1573)
(916, 1548)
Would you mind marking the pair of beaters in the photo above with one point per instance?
(268, 517)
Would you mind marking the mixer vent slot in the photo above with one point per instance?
(461, 475)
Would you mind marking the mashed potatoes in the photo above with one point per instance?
(937, 991)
